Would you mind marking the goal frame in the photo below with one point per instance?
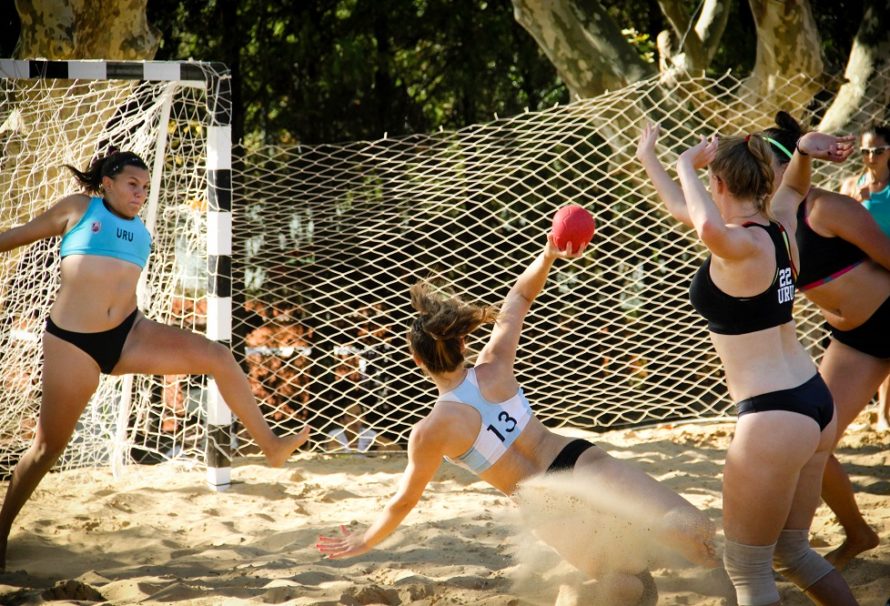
(215, 79)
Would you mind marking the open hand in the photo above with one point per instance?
(553, 251)
(827, 147)
(648, 138)
(347, 545)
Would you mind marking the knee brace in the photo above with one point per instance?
(750, 569)
(795, 560)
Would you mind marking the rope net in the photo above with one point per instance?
(334, 235)
(45, 123)
(328, 239)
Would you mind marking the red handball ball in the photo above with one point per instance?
(573, 224)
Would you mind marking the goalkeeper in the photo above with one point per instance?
(95, 328)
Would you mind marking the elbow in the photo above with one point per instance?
(517, 293)
(711, 232)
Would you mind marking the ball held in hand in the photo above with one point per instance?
(573, 224)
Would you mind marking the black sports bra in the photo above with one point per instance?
(728, 315)
(822, 259)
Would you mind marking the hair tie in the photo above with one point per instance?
(747, 138)
(418, 326)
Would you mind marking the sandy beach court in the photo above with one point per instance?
(158, 536)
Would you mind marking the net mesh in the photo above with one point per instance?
(333, 236)
(328, 239)
(45, 123)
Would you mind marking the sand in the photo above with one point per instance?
(157, 535)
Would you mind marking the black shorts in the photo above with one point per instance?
(568, 456)
(872, 337)
(811, 399)
(104, 347)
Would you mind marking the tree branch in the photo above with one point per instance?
(583, 43)
(788, 50)
(866, 93)
(690, 49)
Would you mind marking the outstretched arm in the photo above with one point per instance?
(53, 222)
(425, 451)
(668, 190)
(501, 347)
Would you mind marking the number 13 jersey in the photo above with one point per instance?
(501, 423)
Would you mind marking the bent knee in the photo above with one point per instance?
(795, 560)
(47, 450)
(689, 523)
(750, 569)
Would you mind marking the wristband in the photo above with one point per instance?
(799, 150)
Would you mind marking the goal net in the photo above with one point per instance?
(327, 239)
(55, 113)
(330, 237)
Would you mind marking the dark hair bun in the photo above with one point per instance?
(786, 122)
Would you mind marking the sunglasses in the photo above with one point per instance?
(873, 151)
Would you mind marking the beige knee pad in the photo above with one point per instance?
(751, 571)
(795, 560)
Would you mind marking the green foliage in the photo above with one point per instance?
(337, 70)
(643, 44)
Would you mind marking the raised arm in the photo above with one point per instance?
(796, 180)
(53, 222)
(425, 452)
(501, 347)
(668, 190)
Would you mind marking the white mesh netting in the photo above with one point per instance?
(45, 123)
(327, 240)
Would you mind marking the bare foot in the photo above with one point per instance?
(850, 548)
(285, 446)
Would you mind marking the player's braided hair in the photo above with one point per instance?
(436, 333)
(744, 165)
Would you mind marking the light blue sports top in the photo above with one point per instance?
(102, 233)
(501, 423)
(878, 204)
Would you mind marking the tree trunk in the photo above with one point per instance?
(866, 93)
(695, 46)
(789, 63)
(72, 29)
(583, 43)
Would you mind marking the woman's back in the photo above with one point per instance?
(748, 307)
(480, 415)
